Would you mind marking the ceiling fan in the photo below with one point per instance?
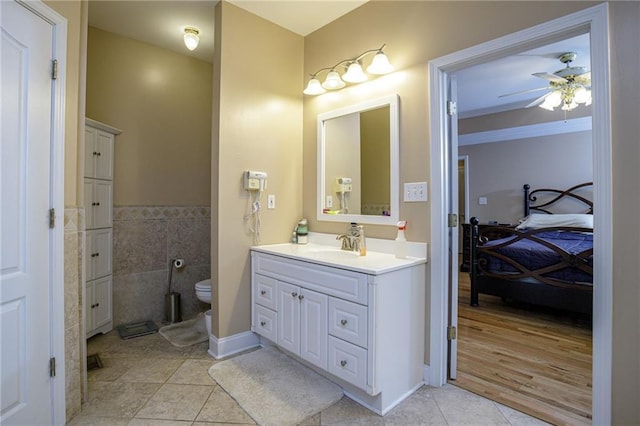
(569, 86)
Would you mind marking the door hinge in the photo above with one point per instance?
(52, 367)
(452, 333)
(452, 220)
(54, 69)
(452, 107)
(52, 218)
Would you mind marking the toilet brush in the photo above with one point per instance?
(172, 298)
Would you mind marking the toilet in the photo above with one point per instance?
(203, 293)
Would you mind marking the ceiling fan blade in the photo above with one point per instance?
(584, 79)
(524, 91)
(537, 101)
(551, 77)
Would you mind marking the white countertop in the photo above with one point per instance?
(373, 263)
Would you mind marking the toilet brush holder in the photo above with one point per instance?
(172, 307)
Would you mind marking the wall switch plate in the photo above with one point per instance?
(329, 202)
(482, 201)
(271, 201)
(415, 192)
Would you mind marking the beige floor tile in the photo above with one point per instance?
(117, 399)
(113, 367)
(150, 370)
(348, 412)
(221, 408)
(221, 424)
(418, 409)
(176, 402)
(201, 351)
(517, 418)
(98, 421)
(311, 421)
(157, 422)
(193, 372)
(461, 407)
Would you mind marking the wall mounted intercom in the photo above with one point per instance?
(255, 181)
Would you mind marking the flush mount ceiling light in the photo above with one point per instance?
(354, 73)
(191, 38)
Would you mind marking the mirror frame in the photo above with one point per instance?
(394, 167)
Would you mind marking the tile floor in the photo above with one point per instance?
(147, 381)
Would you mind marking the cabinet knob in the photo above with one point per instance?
(98, 154)
(294, 294)
(301, 297)
(343, 321)
(95, 254)
(263, 292)
(95, 153)
(93, 306)
(343, 363)
(263, 323)
(97, 304)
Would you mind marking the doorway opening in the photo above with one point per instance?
(594, 22)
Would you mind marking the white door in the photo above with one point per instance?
(25, 268)
(452, 173)
(313, 327)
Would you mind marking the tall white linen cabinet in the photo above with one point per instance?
(98, 207)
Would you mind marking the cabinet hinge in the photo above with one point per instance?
(452, 107)
(54, 69)
(452, 333)
(52, 218)
(52, 367)
(452, 220)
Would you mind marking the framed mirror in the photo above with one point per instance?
(358, 163)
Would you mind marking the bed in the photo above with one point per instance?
(546, 260)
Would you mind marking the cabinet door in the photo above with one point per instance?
(104, 156)
(88, 203)
(102, 204)
(102, 291)
(289, 317)
(88, 309)
(90, 152)
(313, 327)
(101, 250)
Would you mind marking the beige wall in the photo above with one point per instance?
(259, 128)
(417, 32)
(161, 101)
(498, 170)
(376, 176)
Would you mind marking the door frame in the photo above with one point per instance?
(56, 249)
(593, 20)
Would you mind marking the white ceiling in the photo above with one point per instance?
(162, 22)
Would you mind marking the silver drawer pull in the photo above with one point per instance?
(263, 323)
(294, 294)
(343, 363)
(343, 321)
(263, 292)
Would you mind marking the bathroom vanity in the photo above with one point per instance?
(358, 320)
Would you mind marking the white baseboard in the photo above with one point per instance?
(425, 374)
(227, 346)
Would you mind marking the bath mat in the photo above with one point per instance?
(273, 388)
(186, 333)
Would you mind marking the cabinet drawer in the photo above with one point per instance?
(265, 292)
(341, 283)
(348, 321)
(266, 322)
(348, 362)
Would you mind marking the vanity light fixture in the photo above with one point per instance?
(191, 38)
(354, 73)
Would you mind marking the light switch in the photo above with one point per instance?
(415, 192)
(482, 201)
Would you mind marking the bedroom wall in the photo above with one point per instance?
(498, 170)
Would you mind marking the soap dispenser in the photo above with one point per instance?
(401, 241)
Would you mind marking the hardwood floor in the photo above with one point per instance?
(535, 360)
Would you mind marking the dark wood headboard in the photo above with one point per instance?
(530, 197)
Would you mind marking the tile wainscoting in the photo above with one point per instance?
(73, 258)
(145, 239)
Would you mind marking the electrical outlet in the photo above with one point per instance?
(271, 201)
(415, 192)
(329, 202)
(482, 201)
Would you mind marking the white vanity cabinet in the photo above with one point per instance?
(98, 207)
(363, 330)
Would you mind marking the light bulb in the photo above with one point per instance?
(554, 99)
(380, 65)
(333, 81)
(354, 74)
(191, 38)
(314, 87)
(581, 95)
